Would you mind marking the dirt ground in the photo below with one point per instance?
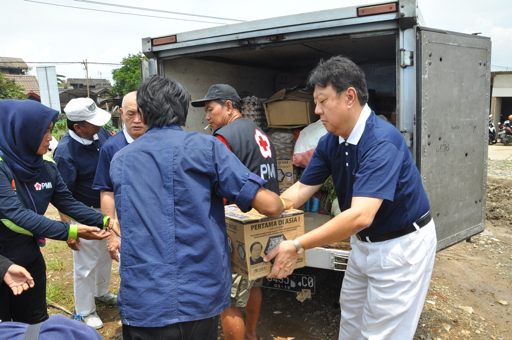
(470, 294)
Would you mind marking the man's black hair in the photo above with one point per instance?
(163, 102)
(341, 73)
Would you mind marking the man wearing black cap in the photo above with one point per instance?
(222, 106)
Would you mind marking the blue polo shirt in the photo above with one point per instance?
(175, 261)
(373, 162)
(77, 163)
(102, 180)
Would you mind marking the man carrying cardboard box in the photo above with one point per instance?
(384, 208)
(169, 187)
(252, 146)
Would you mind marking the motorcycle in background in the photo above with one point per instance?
(505, 133)
(492, 132)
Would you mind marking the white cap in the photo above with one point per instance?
(80, 109)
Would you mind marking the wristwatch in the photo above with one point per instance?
(298, 246)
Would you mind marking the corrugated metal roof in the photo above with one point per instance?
(8, 62)
(29, 83)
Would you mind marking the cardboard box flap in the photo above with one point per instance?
(234, 213)
(290, 94)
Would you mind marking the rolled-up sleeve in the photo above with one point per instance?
(248, 191)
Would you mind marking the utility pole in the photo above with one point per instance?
(86, 76)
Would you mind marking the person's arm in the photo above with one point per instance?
(358, 217)
(108, 208)
(267, 203)
(4, 264)
(296, 195)
(64, 201)
(14, 276)
(73, 243)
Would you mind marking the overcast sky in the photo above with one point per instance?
(43, 32)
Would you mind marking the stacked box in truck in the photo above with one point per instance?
(433, 85)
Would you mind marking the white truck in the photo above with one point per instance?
(435, 83)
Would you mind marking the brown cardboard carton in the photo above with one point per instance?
(286, 175)
(289, 109)
(252, 235)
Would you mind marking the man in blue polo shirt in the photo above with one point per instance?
(77, 157)
(133, 128)
(169, 187)
(384, 207)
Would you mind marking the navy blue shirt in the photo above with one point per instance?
(77, 165)
(24, 204)
(102, 180)
(378, 165)
(175, 261)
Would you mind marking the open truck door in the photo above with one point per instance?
(453, 92)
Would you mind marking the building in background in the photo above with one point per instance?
(501, 100)
(10, 65)
(94, 83)
(16, 69)
(28, 83)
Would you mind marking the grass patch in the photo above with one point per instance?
(59, 274)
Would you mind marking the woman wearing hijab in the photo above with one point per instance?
(27, 185)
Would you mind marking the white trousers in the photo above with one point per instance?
(91, 275)
(385, 286)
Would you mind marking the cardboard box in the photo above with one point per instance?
(286, 175)
(261, 233)
(290, 109)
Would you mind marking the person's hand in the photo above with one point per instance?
(115, 227)
(74, 244)
(287, 204)
(114, 246)
(92, 233)
(285, 256)
(18, 279)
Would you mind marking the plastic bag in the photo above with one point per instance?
(306, 143)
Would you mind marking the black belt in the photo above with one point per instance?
(420, 223)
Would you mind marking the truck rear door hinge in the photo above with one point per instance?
(406, 58)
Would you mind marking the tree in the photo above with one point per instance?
(10, 90)
(128, 77)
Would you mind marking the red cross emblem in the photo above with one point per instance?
(263, 143)
(37, 186)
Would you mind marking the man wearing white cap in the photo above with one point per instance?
(77, 157)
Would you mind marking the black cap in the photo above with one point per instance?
(218, 91)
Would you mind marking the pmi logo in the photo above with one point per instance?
(42, 186)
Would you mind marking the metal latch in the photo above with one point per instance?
(406, 58)
(339, 262)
